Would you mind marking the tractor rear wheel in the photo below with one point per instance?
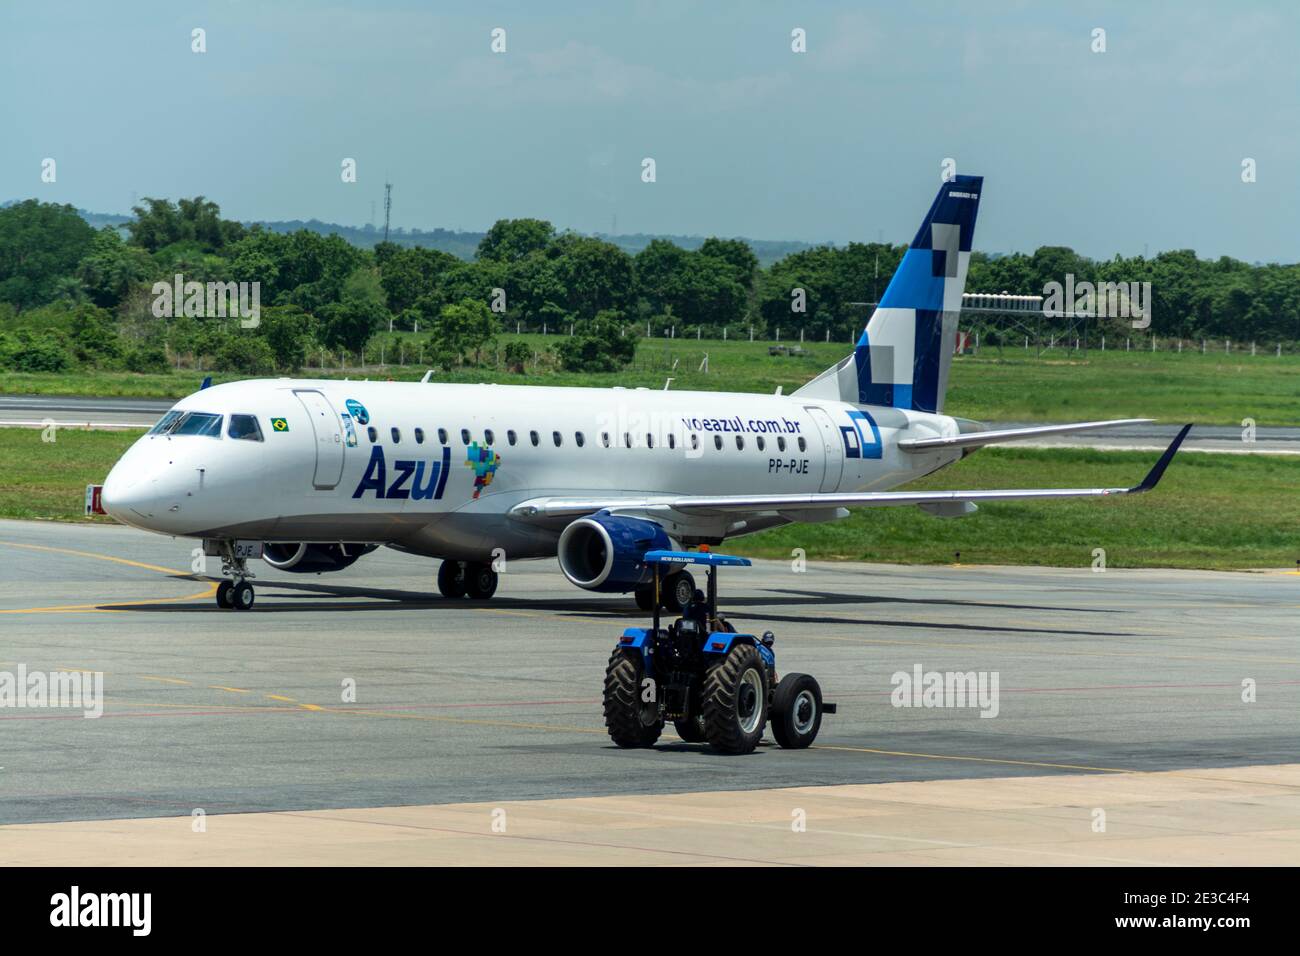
(735, 701)
(631, 721)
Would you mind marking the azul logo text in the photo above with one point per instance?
(418, 480)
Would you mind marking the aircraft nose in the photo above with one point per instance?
(128, 494)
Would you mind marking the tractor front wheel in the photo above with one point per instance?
(796, 711)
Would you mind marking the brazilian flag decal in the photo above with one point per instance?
(280, 424)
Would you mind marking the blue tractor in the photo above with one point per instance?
(716, 686)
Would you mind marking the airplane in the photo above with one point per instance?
(311, 475)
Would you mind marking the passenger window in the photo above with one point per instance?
(780, 443)
(442, 435)
(373, 435)
(761, 444)
(464, 436)
(649, 440)
(419, 436)
(717, 442)
(803, 444)
(672, 440)
(245, 428)
(740, 442)
(557, 438)
(488, 436)
(695, 442)
(511, 436)
(397, 435)
(627, 439)
(579, 439)
(604, 439)
(533, 437)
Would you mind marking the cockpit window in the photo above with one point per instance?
(244, 427)
(165, 423)
(196, 423)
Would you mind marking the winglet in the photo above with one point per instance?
(1157, 472)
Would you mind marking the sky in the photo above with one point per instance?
(1138, 148)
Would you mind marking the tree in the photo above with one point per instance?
(517, 355)
(467, 327)
(601, 345)
(510, 240)
(111, 267)
(288, 333)
(160, 223)
(40, 243)
(596, 275)
(408, 274)
(360, 312)
(248, 354)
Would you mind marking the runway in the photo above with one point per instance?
(129, 413)
(1115, 674)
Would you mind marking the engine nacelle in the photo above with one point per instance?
(306, 558)
(606, 552)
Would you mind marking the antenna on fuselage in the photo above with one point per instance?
(778, 389)
(427, 376)
(667, 383)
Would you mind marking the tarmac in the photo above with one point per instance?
(361, 718)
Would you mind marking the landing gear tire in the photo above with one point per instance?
(223, 594)
(645, 598)
(241, 596)
(677, 592)
(796, 711)
(631, 721)
(735, 701)
(451, 579)
(480, 581)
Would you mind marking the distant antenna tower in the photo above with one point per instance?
(388, 206)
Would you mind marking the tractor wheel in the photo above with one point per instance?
(677, 592)
(735, 701)
(631, 721)
(691, 730)
(796, 711)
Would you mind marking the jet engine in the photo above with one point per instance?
(302, 557)
(604, 552)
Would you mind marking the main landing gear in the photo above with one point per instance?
(472, 579)
(236, 593)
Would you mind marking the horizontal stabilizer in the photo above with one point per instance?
(976, 439)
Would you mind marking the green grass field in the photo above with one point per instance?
(1016, 386)
(1211, 511)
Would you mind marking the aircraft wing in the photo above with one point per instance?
(977, 439)
(542, 508)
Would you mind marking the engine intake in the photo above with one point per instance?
(606, 552)
(302, 557)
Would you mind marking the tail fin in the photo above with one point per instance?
(903, 357)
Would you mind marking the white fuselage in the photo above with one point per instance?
(348, 464)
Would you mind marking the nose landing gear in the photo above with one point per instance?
(236, 593)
